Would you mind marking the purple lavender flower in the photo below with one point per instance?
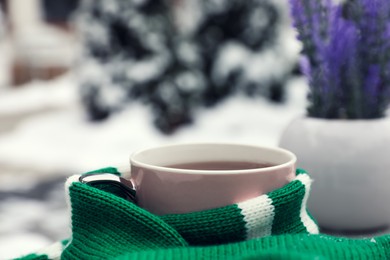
(372, 83)
(338, 57)
(305, 66)
(347, 56)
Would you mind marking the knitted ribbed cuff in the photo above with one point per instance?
(281, 247)
(282, 211)
(272, 226)
(104, 224)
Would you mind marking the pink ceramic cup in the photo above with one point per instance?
(165, 190)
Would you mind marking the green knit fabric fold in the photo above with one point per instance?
(295, 246)
(104, 224)
(272, 226)
(278, 212)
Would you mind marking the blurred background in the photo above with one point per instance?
(83, 84)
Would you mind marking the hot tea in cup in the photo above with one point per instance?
(220, 165)
(192, 177)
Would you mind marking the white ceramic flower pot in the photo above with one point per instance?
(349, 161)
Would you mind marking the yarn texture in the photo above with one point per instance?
(275, 225)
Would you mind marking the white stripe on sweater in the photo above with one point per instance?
(258, 214)
(310, 225)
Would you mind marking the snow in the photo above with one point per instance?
(38, 95)
(24, 225)
(16, 245)
(45, 136)
(63, 140)
(262, 66)
(144, 70)
(57, 138)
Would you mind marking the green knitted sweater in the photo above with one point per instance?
(272, 226)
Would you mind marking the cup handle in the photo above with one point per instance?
(125, 185)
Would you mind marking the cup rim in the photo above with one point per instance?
(137, 163)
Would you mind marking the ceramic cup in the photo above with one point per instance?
(163, 189)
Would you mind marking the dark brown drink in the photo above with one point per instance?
(220, 165)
